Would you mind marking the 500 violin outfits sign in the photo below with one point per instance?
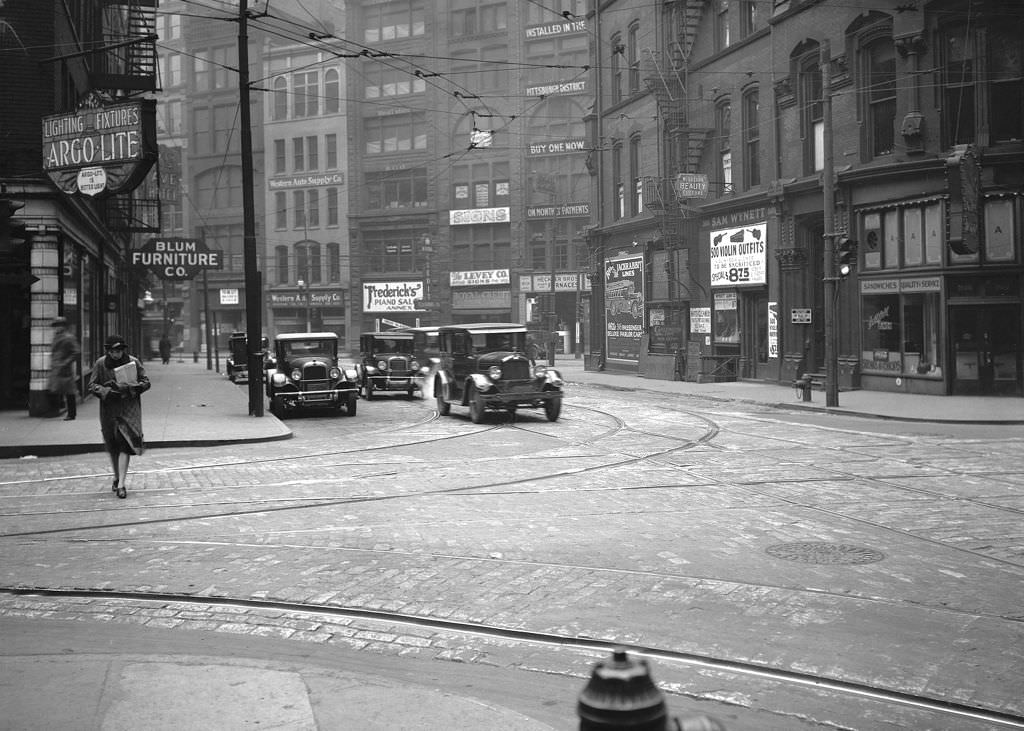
(101, 149)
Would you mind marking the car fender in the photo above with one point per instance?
(442, 384)
(483, 383)
(554, 378)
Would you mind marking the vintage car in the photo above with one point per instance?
(308, 374)
(484, 366)
(237, 363)
(387, 362)
(424, 343)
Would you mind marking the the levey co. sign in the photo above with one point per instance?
(176, 259)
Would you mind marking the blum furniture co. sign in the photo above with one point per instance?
(101, 149)
(176, 259)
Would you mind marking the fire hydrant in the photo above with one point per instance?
(621, 695)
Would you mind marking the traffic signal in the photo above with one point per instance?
(847, 256)
(12, 230)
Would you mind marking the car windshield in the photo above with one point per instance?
(383, 346)
(491, 342)
(304, 348)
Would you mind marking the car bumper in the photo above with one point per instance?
(506, 399)
(312, 399)
(390, 383)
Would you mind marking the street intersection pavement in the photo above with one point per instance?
(116, 677)
(191, 405)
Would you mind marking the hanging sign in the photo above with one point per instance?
(176, 259)
(102, 148)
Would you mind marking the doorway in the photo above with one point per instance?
(754, 335)
(986, 355)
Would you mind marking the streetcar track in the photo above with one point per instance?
(506, 561)
(711, 430)
(817, 682)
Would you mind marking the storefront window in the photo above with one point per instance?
(921, 355)
(900, 334)
(881, 334)
(726, 319)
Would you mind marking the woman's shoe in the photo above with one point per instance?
(113, 486)
(121, 492)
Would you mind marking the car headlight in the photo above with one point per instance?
(540, 372)
(414, 366)
(278, 379)
(351, 374)
(296, 375)
(382, 364)
(494, 372)
(334, 373)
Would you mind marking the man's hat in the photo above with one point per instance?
(115, 341)
(59, 322)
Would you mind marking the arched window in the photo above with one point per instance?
(280, 98)
(811, 103)
(751, 138)
(332, 91)
(618, 50)
(723, 147)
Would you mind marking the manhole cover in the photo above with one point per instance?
(815, 552)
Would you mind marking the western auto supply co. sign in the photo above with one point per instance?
(176, 259)
(102, 148)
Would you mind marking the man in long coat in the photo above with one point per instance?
(64, 353)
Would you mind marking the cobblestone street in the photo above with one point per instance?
(695, 531)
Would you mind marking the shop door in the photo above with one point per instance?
(986, 356)
(754, 335)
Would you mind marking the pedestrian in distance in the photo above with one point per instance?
(64, 352)
(165, 349)
(118, 379)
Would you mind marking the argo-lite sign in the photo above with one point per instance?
(101, 148)
(176, 259)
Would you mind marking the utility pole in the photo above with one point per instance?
(830, 278)
(253, 285)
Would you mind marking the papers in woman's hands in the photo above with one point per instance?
(127, 374)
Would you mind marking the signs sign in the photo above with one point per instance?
(101, 148)
(176, 259)
(478, 278)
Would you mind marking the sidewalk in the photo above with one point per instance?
(189, 405)
(876, 404)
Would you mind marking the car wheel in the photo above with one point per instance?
(553, 408)
(277, 406)
(411, 393)
(353, 403)
(368, 389)
(443, 407)
(476, 406)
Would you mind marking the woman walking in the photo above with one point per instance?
(118, 379)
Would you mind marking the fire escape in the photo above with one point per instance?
(127, 67)
(665, 75)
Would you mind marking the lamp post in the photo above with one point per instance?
(304, 293)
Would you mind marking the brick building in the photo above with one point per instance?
(923, 107)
